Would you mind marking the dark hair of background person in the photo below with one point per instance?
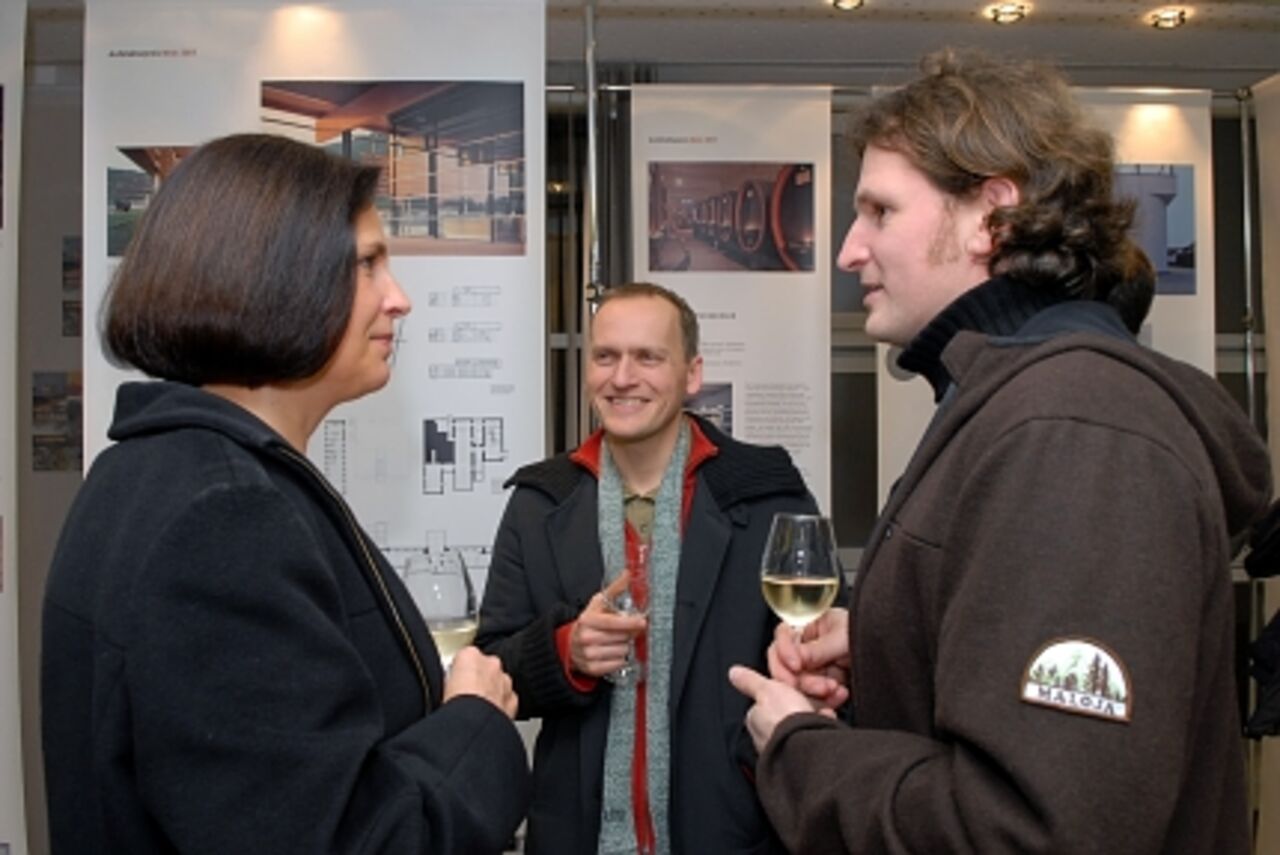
(970, 117)
(688, 320)
(242, 269)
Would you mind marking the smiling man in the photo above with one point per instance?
(652, 767)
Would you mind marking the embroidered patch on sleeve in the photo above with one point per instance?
(1079, 675)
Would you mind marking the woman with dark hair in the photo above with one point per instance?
(229, 664)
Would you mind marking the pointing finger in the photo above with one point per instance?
(747, 681)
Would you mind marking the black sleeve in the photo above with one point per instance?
(258, 727)
(519, 627)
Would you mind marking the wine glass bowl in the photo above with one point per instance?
(799, 569)
(441, 587)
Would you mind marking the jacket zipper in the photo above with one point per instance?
(372, 566)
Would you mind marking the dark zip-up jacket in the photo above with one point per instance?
(547, 564)
(230, 665)
(1074, 486)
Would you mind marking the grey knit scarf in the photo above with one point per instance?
(617, 822)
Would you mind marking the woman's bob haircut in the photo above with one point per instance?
(242, 270)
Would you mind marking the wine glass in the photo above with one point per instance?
(799, 571)
(627, 593)
(442, 589)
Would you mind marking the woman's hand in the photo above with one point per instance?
(474, 673)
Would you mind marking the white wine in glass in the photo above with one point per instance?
(799, 571)
(442, 589)
(451, 636)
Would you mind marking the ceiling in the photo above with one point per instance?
(1226, 44)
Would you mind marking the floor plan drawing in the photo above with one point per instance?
(435, 555)
(459, 453)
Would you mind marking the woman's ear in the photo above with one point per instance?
(994, 193)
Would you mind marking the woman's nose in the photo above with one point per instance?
(397, 302)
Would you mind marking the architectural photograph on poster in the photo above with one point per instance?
(132, 180)
(452, 154)
(721, 216)
(1165, 220)
(714, 402)
(56, 417)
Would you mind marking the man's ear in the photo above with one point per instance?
(994, 193)
(693, 380)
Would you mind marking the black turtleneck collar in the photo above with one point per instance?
(997, 307)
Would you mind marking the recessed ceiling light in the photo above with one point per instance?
(1007, 13)
(846, 5)
(1168, 19)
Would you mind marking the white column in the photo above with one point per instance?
(13, 835)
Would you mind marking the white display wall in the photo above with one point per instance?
(731, 200)
(1164, 160)
(446, 95)
(13, 835)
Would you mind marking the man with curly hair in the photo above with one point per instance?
(1037, 655)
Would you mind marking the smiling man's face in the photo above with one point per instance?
(638, 374)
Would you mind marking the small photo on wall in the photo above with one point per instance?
(1165, 220)
(730, 216)
(452, 154)
(71, 286)
(133, 177)
(57, 403)
(714, 402)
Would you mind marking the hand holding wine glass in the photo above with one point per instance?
(819, 665)
(601, 638)
(473, 673)
(799, 571)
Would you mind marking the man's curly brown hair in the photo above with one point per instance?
(970, 117)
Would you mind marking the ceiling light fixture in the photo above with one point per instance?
(1168, 19)
(846, 5)
(1007, 13)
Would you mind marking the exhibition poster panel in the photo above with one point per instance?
(447, 97)
(1163, 162)
(731, 201)
(13, 835)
